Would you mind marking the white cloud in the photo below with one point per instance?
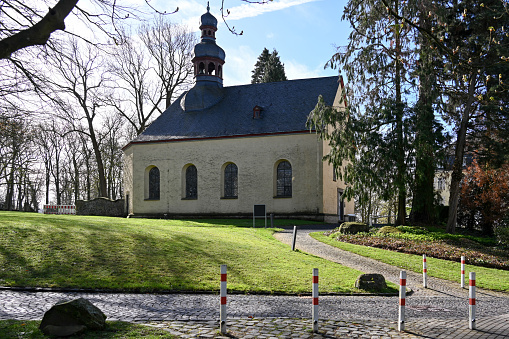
(295, 70)
(191, 11)
(252, 10)
(239, 63)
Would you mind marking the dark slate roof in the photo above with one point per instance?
(286, 106)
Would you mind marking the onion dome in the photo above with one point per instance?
(208, 19)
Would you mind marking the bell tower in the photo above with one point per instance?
(208, 56)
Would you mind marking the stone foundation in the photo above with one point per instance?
(101, 206)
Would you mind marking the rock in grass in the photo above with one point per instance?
(371, 282)
(353, 228)
(66, 318)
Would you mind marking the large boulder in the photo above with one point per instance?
(353, 228)
(66, 318)
(371, 282)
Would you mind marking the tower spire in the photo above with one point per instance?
(208, 56)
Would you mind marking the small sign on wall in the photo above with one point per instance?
(259, 211)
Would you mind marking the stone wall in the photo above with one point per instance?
(101, 206)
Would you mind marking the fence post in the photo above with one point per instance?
(402, 300)
(462, 271)
(315, 300)
(222, 293)
(424, 272)
(294, 237)
(471, 302)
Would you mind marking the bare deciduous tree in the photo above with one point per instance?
(79, 88)
(151, 72)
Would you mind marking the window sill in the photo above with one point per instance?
(282, 197)
(190, 198)
(229, 198)
(152, 199)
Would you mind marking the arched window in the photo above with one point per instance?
(153, 184)
(201, 68)
(284, 179)
(191, 182)
(231, 189)
(212, 68)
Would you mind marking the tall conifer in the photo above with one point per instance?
(268, 68)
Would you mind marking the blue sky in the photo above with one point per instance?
(304, 32)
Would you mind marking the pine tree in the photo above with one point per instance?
(274, 69)
(259, 67)
(268, 68)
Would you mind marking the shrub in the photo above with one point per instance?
(353, 228)
(389, 229)
(502, 231)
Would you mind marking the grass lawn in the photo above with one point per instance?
(148, 255)
(30, 329)
(488, 278)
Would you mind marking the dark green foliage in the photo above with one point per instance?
(389, 229)
(375, 126)
(502, 231)
(268, 68)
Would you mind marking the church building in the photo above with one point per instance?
(218, 151)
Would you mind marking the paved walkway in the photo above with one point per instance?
(438, 312)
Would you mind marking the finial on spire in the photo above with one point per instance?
(208, 6)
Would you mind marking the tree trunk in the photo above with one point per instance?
(400, 151)
(423, 209)
(76, 178)
(457, 168)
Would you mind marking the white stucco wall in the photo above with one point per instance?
(256, 159)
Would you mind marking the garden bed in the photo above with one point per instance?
(434, 243)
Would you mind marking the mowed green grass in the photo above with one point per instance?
(148, 255)
(488, 278)
(30, 329)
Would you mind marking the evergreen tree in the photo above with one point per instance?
(474, 44)
(274, 69)
(429, 138)
(268, 68)
(259, 67)
(373, 137)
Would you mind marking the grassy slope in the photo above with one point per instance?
(488, 278)
(154, 255)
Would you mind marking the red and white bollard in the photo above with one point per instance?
(471, 302)
(402, 300)
(462, 272)
(424, 272)
(222, 294)
(315, 300)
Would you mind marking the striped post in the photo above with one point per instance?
(315, 300)
(424, 272)
(402, 300)
(471, 302)
(222, 293)
(462, 272)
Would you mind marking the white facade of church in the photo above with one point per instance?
(218, 151)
